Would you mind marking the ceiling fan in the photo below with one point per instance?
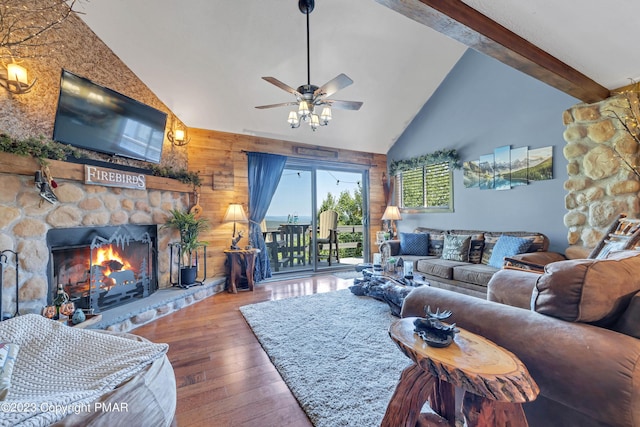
(309, 96)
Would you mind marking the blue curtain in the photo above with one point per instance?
(265, 171)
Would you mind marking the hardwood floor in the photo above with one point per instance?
(224, 378)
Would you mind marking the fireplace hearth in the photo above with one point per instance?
(103, 267)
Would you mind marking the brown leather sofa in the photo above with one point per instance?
(576, 327)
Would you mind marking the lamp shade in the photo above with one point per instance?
(391, 213)
(235, 213)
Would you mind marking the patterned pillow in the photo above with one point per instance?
(475, 249)
(508, 246)
(436, 244)
(456, 247)
(8, 354)
(489, 244)
(414, 243)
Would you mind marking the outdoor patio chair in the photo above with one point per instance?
(327, 234)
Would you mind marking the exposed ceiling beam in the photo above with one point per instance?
(468, 26)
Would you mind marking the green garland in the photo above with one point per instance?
(439, 156)
(43, 149)
(181, 175)
(40, 148)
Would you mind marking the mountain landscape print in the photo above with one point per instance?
(541, 164)
(519, 166)
(509, 167)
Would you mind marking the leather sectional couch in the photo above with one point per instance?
(576, 327)
(468, 275)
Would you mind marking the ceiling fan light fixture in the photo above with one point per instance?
(293, 119)
(303, 109)
(314, 121)
(325, 116)
(309, 96)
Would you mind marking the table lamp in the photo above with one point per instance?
(235, 213)
(392, 213)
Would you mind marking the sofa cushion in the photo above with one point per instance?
(438, 267)
(629, 321)
(456, 247)
(588, 290)
(477, 274)
(507, 246)
(414, 243)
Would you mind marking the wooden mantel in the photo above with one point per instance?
(19, 165)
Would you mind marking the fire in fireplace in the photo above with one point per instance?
(103, 267)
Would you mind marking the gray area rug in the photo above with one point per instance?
(334, 352)
(349, 274)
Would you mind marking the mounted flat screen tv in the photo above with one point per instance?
(99, 119)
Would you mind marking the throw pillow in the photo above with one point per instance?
(8, 354)
(475, 248)
(588, 290)
(414, 244)
(507, 246)
(436, 244)
(456, 247)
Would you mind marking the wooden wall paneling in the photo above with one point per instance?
(220, 154)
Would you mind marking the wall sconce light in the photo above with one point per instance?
(177, 134)
(16, 79)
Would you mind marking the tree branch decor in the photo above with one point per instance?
(629, 117)
(440, 156)
(22, 22)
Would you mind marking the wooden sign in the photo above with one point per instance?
(97, 175)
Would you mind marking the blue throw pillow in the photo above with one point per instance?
(414, 243)
(508, 246)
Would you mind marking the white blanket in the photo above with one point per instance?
(61, 370)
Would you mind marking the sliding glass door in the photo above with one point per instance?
(296, 236)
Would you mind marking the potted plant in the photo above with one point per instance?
(190, 228)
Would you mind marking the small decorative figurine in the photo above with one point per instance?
(433, 331)
(235, 240)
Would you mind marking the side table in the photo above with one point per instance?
(240, 264)
(495, 381)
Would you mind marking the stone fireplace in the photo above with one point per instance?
(103, 267)
(26, 221)
(600, 185)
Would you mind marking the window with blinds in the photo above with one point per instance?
(427, 188)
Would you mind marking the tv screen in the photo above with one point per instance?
(99, 119)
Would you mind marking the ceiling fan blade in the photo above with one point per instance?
(343, 105)
(332, 86)
(282, 86)
(282, 104)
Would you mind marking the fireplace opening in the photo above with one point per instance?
(103, 267)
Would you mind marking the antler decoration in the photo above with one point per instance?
(432, 330)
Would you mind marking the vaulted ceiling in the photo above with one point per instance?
(205, 58)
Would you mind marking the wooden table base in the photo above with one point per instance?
(495, 382)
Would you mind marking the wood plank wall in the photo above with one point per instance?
(221, 160)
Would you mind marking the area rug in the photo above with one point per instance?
(334, 352)
(349, 274)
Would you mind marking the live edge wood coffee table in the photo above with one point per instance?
(495, 381)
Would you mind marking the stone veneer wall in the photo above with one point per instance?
(600, 186)
(25, 219)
